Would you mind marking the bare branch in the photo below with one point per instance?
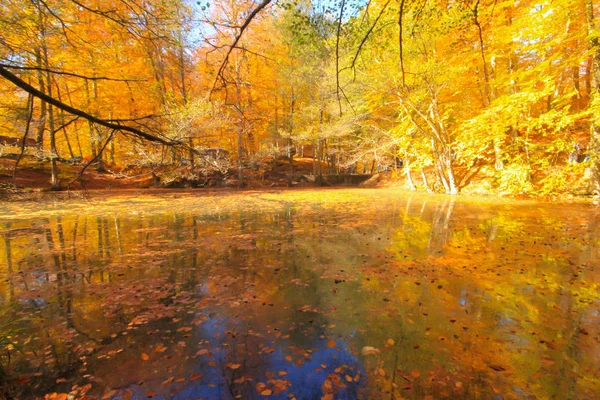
(236, 40)
(93, 160)
(364, 39)
(55, 72)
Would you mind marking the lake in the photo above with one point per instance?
(305, 294)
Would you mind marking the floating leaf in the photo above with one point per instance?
(368, 351)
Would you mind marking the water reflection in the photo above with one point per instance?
(345, 295)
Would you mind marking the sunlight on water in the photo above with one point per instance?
(299, 294)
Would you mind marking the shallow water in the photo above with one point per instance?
(299, 294)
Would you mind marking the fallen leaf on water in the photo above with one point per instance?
(233, 366)
(368, 351)
(108, 395)
(127, 395)
(193, 377)
(150, 394)
(497, 367)
(266, 392)
(168, 380)
(145, 357)
(331, 344)
(22, 380)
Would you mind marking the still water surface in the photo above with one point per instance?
(299, 294)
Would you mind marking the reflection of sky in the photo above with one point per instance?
(306, 379)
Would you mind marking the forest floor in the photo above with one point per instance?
(35, 175)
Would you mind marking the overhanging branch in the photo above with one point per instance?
(72, 110)
(235, 42)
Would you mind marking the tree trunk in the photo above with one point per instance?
(409, 179)
(42, 124)
(64, 125)
(595, 128)
(90, 123)
(27, 125)
(98, 136)
(424, 177)
(54, 182)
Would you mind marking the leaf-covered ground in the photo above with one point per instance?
(334, 294)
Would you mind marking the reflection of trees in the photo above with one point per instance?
(8, 260)
(87, 278)
(425, 231)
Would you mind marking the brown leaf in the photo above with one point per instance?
(331, 344)
(193, 377)
(109, 395)
(145, 357)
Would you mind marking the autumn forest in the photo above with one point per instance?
(472, 96)
(299, 199)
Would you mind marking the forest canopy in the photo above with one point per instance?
(442, 92)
